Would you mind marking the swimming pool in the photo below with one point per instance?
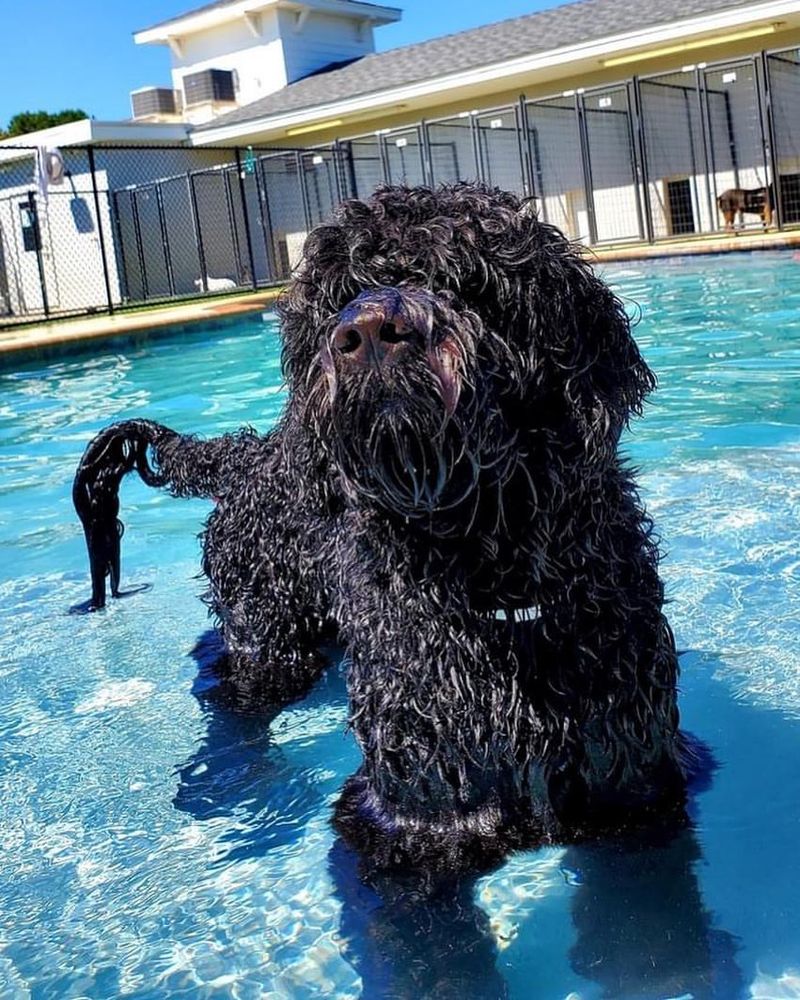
(155, 847)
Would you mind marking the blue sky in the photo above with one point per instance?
(80, 53)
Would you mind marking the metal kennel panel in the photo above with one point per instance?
(255, 216)
(611, 161)
(180, 236)
(150, 222)
(218, 237)
(128, 247)
(452, 149)
(287, 208)
(404, 157)
(241, 229)
(362, 165)
(499, 147)
(675, 154)
(321, 180)
(783, 81)
(557, 163)
(735, 132)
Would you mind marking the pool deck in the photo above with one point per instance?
(65, 334)
(60, 336)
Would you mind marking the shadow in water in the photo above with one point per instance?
(408, 939)
(640, 928)
(238, 771)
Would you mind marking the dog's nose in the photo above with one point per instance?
(372, 332)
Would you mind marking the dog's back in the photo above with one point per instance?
(747, 201)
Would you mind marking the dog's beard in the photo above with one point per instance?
(394, 440)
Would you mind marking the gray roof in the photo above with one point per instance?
(569, 24)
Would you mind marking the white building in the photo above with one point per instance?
(626, 121)
(230, 54)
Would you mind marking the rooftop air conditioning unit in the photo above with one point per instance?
(209, 85)
(152, 103)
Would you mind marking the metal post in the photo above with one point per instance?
(37, 236)
(348, 168)
(536, 157)
(483, 159)
(266, 220)
(96, 195)
(198, 236)
(476, 152)
(226, 183)
(384, 158)
(137, 230)
(524, 145)
(708, 146)
(245, 215)
(337, 168)
(693, 154)
(732, 140)
(162, 223)
(311, 178)
(583, 136)
(641, 145)
(425, 153)
(301, 177)
(769, 142)
(634, 161)
(123, 271)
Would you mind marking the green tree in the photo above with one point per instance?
(32, 121)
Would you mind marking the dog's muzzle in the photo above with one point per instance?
(375, 329)
(379, 328)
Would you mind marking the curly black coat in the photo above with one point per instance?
(457, 515)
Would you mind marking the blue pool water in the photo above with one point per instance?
(153, 847)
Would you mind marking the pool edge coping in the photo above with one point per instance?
(64, 336)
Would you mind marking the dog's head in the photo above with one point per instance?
(428, 334)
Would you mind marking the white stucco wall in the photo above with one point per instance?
(258, 62)
(283, 49)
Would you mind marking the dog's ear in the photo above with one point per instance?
(580, 340)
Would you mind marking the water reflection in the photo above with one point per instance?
(641, 929)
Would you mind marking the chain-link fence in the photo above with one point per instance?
(694, 151)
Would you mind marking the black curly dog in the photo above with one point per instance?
(443, 496)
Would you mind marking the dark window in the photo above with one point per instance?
(681, 213)
(790, 197)
(209, 85)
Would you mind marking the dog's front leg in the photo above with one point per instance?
(606, 684)
(434, 705)
(261, 554)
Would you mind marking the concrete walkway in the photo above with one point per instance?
(62, 335)
(741, 242)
